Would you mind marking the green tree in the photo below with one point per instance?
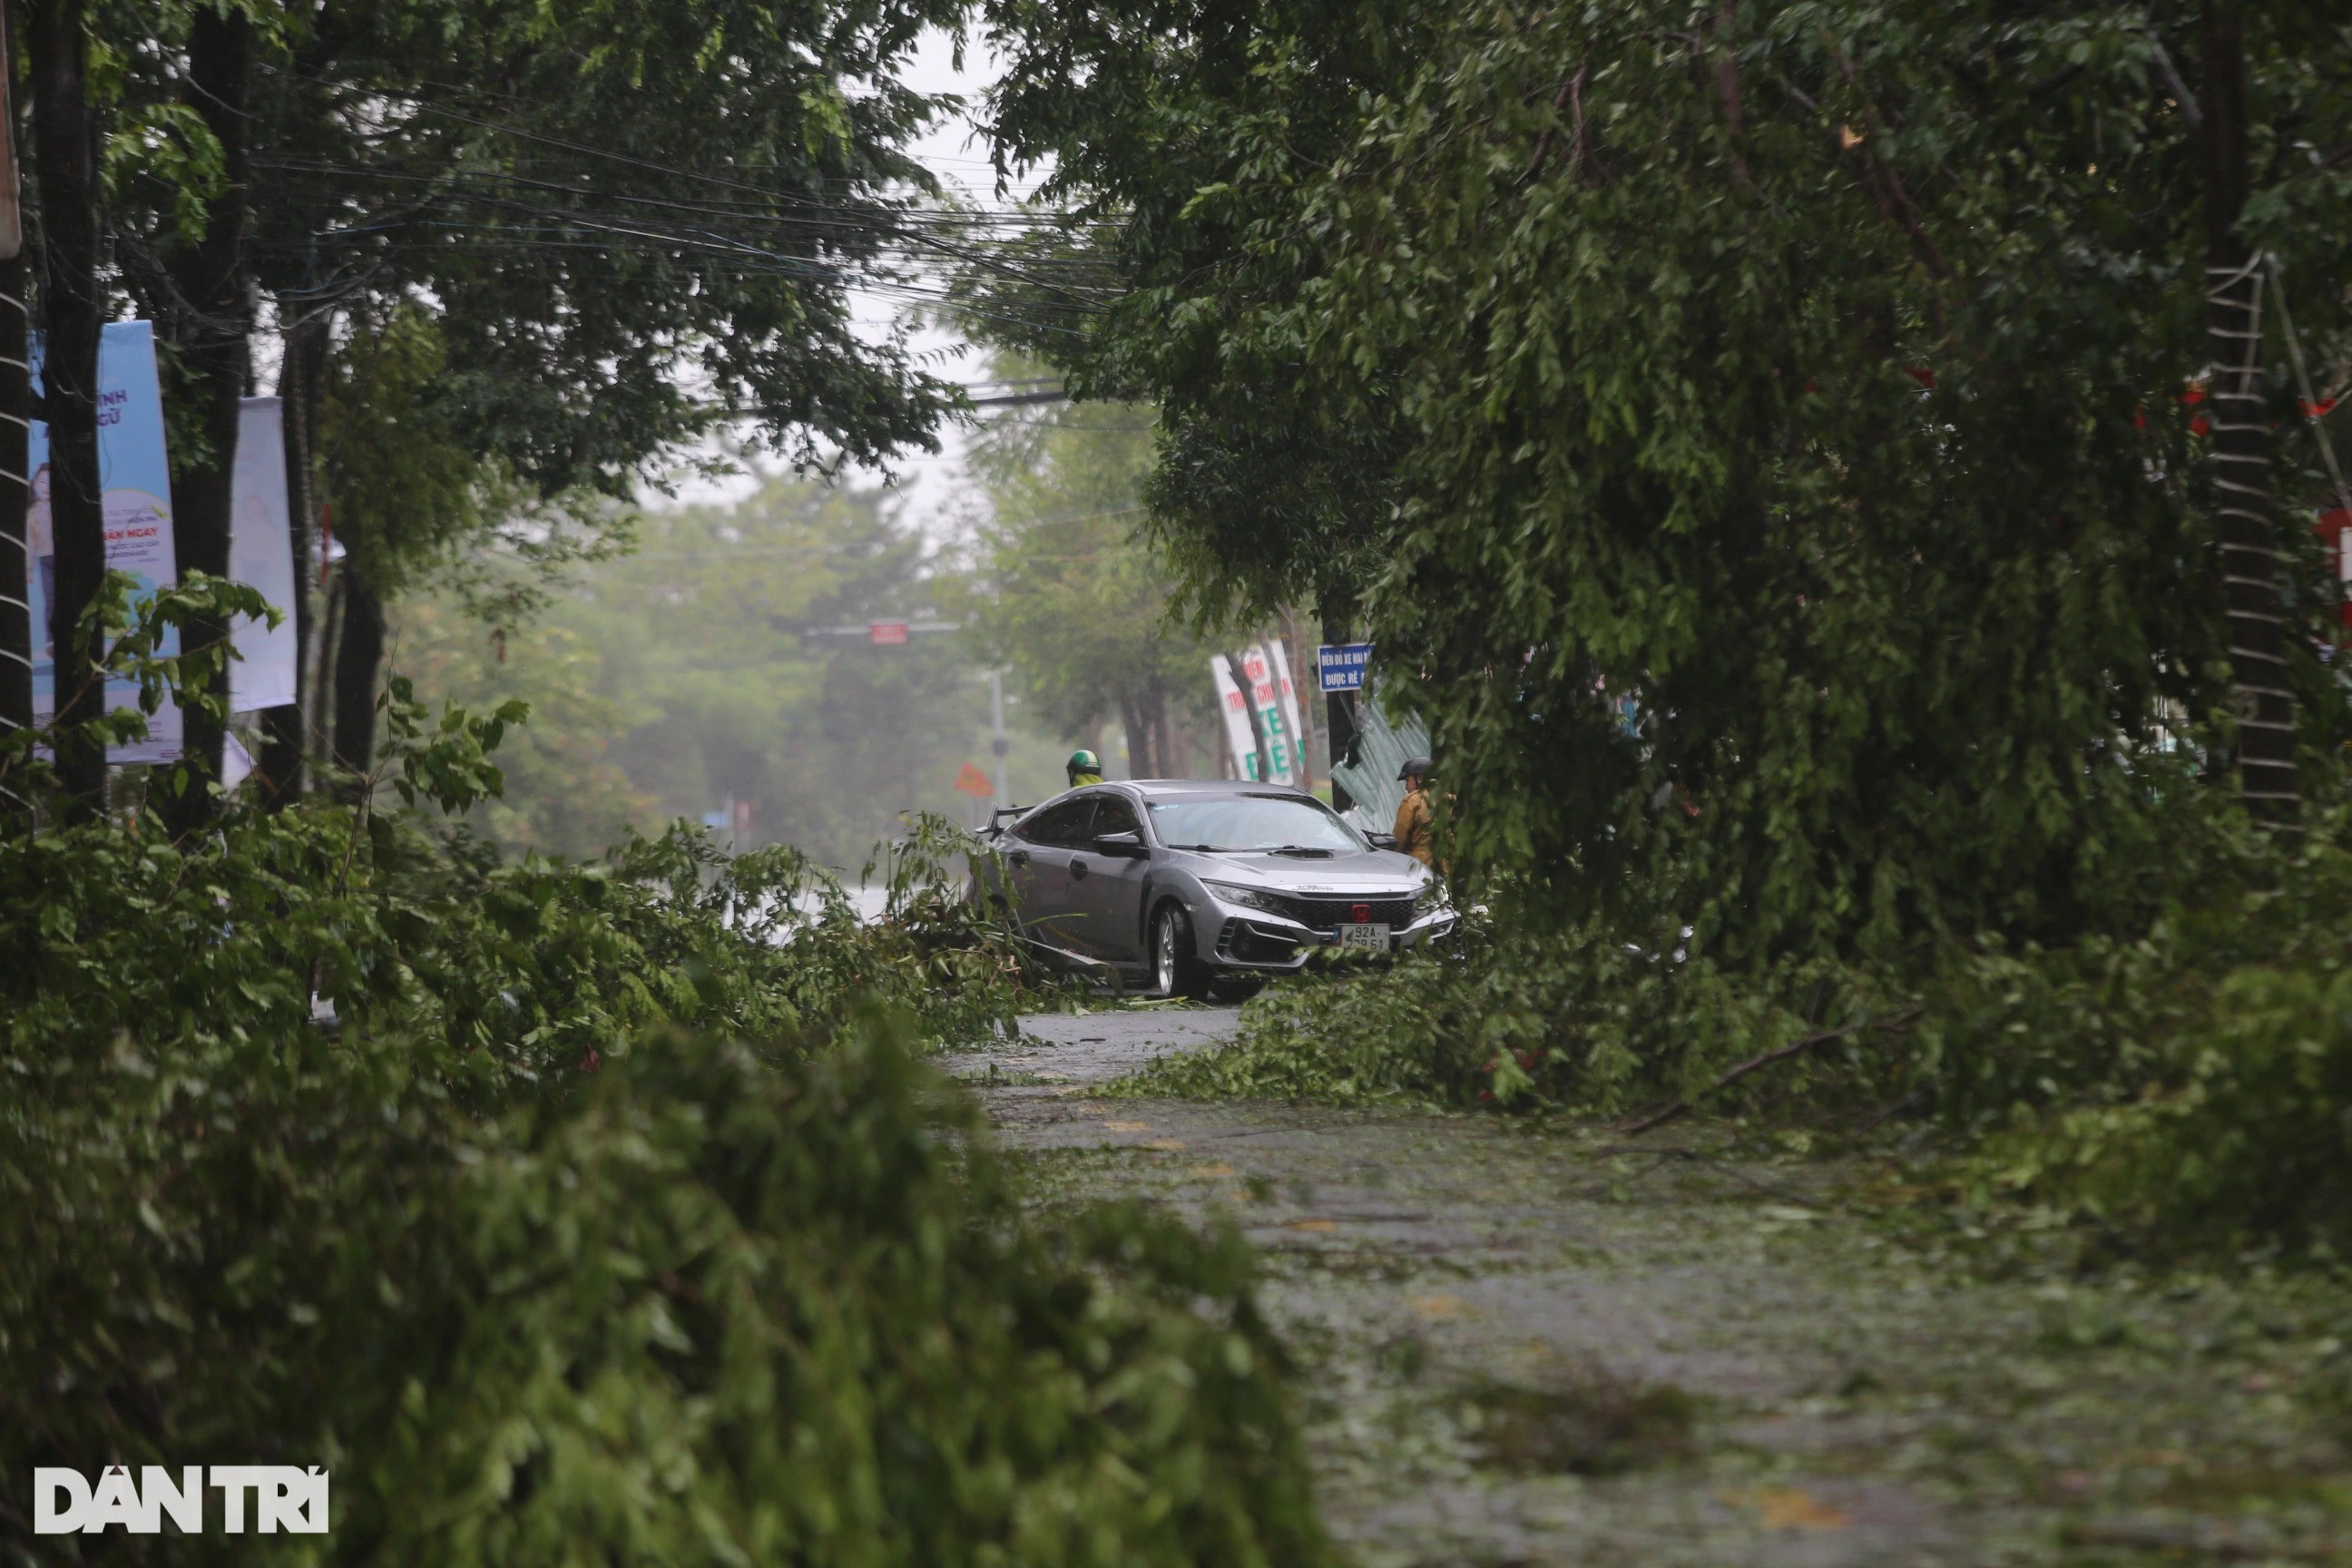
(620, 249)
(611, 1218)
(1802, 383)
(1167, 131)
(564, 793)
(1073, 595)
(415, 503)
(670, 680)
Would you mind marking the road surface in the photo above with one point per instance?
(1523, 1345)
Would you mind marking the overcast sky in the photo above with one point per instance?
(932, 485)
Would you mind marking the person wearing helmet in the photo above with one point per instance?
(1083, 768)
(1414, 812)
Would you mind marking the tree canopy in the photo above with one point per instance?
(625, 243)
(607, 253)
(671, 679)
(1811, 382)
(1069, 590)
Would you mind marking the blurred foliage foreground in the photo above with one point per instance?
(595, 1212)
(2182, 1092)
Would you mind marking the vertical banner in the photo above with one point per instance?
(261, 555)
(1233, 709)
(136, 477)
(1257, 670)
(1280, 657)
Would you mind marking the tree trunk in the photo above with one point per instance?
(1151, 713)
(1303, 680)
(215, 340)
(2242, 494)
(300, 374)
(1138, 743)
(72, 313)
(357, 661)
(1174, 763)
(319, 694)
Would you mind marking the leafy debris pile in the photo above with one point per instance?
(2186, 1087)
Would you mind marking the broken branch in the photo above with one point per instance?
(1679, 1106)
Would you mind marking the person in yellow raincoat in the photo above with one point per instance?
(1083, 768)
(1414, 813)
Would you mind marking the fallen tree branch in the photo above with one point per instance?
(1679, 1106)
(1900, 1106)
(1571, 92)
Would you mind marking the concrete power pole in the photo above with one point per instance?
(997, 743)
(18, 635)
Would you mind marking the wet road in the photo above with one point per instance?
(1526, 1346)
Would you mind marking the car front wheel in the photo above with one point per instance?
(1176, 968)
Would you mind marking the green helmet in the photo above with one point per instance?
(1083, 761)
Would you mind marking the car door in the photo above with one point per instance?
(1106, 891)
(1040, 864)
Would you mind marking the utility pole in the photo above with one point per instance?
(2242, 439)
(18, 633)
(290, 738)
(73, 310)
(997, 743)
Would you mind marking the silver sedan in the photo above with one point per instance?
(1186, 887)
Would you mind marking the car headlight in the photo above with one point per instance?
(1430, 895)
(1247, 897)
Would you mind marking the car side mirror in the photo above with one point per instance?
(1128, 843)
(1383, 840)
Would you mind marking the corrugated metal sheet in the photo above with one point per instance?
(1381, 747)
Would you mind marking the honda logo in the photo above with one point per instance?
(1361, 914)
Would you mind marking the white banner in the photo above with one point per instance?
(1234, 708)
(237, 763)
(135, 478)
(261, 555)
(1257, 670)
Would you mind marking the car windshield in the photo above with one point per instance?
(1252, 822)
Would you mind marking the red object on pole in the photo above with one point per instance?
(887, 634)
(974, 783)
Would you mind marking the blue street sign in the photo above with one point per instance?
(1341, 665)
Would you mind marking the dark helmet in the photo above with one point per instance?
(1417, 768)
(1083, 762)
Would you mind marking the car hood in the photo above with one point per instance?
(1369, 871)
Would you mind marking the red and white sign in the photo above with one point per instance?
(1258, 668)
(887, 634)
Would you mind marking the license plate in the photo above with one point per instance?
(1373, 938)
